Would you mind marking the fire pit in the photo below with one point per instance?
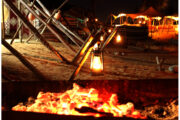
(141, 93)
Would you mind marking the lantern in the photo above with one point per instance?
(31, 17)
(96, 19)
(118, 38)
(109, 31)
(101, 38)
(57, 15)
(96, 61)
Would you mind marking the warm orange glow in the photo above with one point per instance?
(101, 38)
(118, 38)
(109, 31)
(96, 64)
(86, 45)
(96, 19)
(57, 15)
(96, 46)
(31, 17)
(6, 14)
(68, 102)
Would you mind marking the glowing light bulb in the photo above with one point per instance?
(118, 38)
(101, 38)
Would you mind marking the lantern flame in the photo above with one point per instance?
(96, 63)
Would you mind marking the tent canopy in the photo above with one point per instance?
(151, 12)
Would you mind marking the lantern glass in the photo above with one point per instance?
(96, 62)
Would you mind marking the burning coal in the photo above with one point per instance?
(79, 101)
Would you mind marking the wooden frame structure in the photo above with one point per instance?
(85, 48)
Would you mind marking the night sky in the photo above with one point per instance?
(103, 8)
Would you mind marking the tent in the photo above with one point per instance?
(150, 12)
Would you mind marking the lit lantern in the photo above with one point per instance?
(31, 17)
(96, 61)
(57, 15)
(109, 31)
(118, 38)
(96, 19)
(101, 38)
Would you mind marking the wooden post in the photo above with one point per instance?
(34, 30)
(84, 58)
(20, 26)
(24, 61)
(60, 38)
(80, 64)
(3, 24)
(58, 24)
(19, 23)
(109, 38)
(83, 49)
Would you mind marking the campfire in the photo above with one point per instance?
(79, 101)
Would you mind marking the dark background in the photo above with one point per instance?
(103, 8)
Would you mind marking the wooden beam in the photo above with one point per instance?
(83, 49)
(20, 25)
(24, 61)
(85, 56)
(34, 30)
(60, 38)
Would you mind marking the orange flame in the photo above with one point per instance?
(66, 103)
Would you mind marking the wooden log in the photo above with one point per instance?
(34, 30)
(24, 61)
(60, 38)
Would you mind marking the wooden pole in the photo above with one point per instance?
(3, 24)
(109, 38)
(49, 27)
(19, 22)
(80, 64)
(56, 22)
(59, 23)
(24, 61)
(83, 49)
(34, 30)
(20, 26)
(85, 56)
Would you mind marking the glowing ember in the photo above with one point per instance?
(80, 101)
